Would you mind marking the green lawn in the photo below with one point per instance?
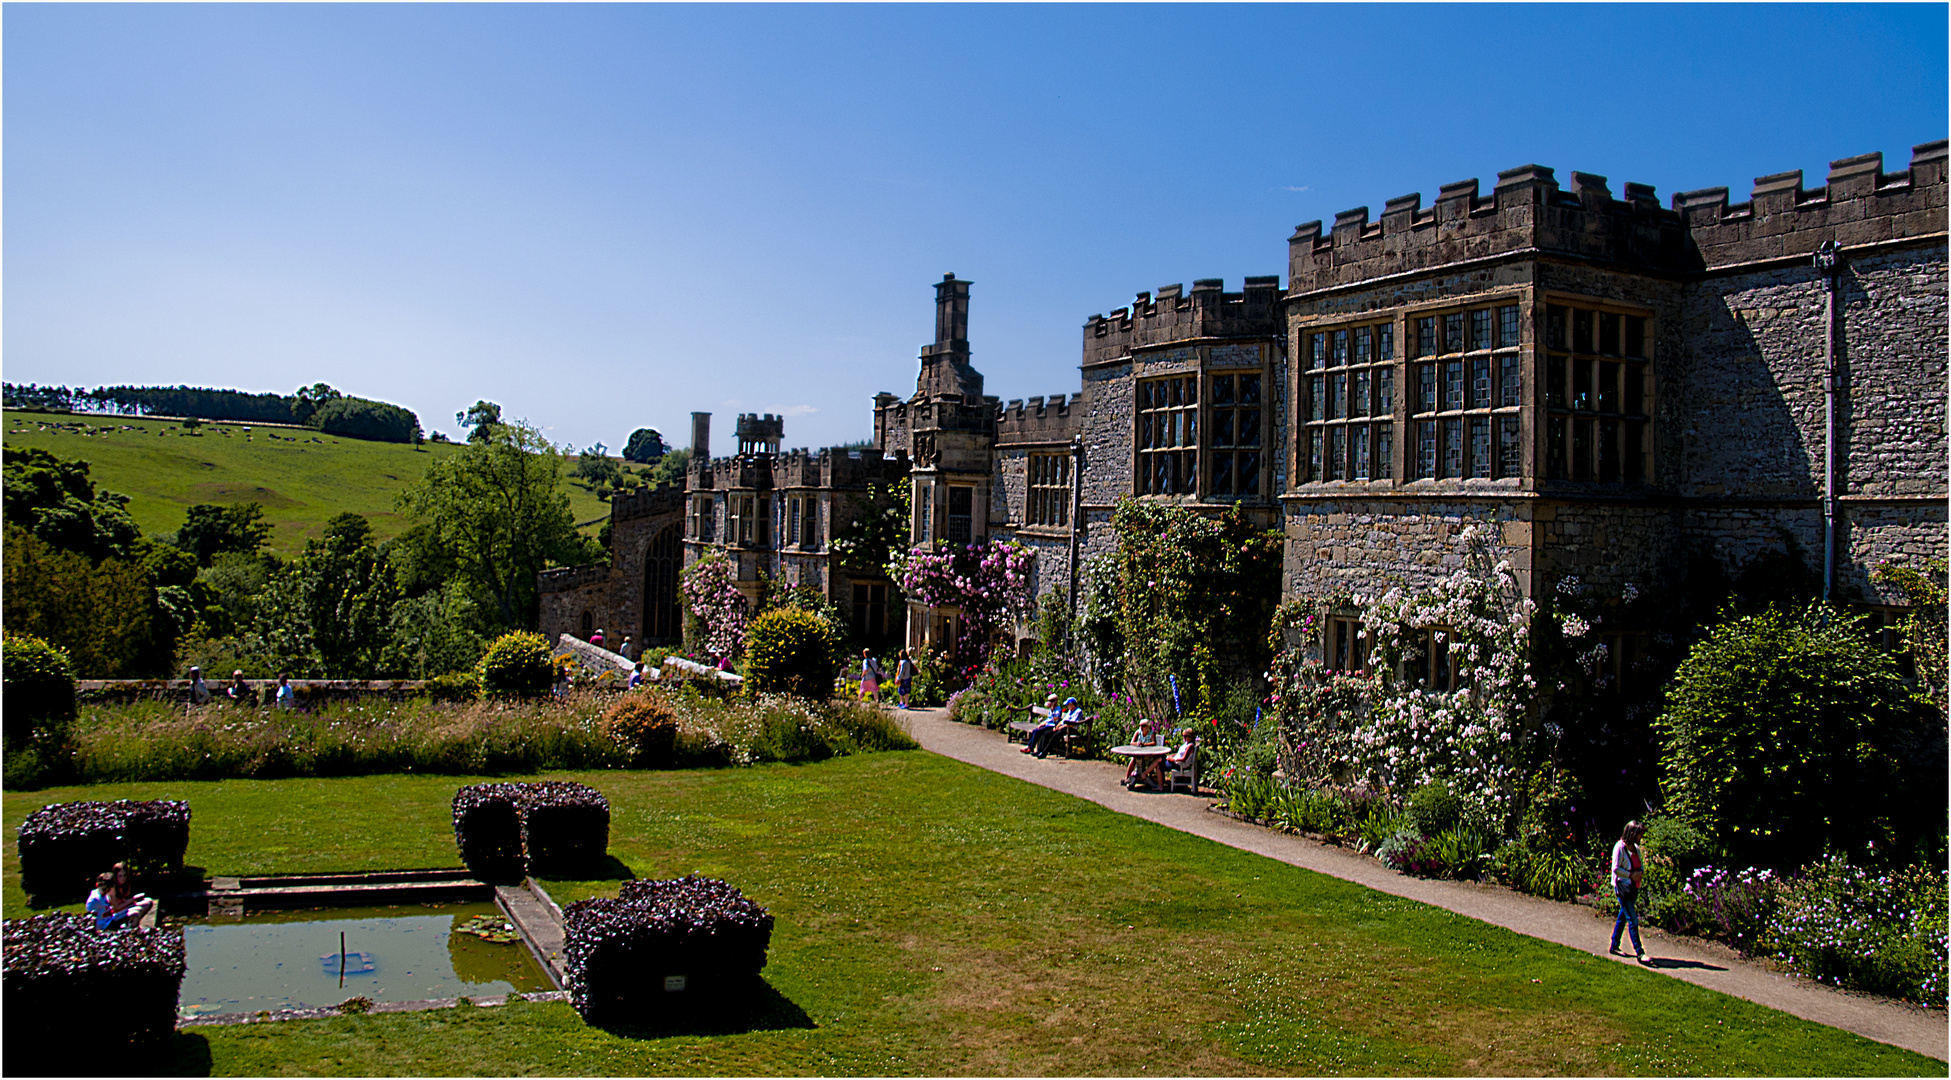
(936, 918)
(165, 469)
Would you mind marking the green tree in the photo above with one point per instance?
(1924, 626)
(670, 468)
(308, 399)
(358, 418)
(595, 467)
(57, 501)
(347, 595)
(210, 530)
(1787, 734)
(436, 633)
(645, 446)
(482, 416)
(791, 651)
(498, 506)
(100, 614)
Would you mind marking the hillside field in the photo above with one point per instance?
(301, 477)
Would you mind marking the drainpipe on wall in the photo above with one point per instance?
(1828, 260)
(1076, 518)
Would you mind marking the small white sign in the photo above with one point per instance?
(673, 983)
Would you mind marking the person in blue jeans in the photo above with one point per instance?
(1628, 874)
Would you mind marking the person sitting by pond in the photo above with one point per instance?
(637, 676)
(239, 691)
(114, 902)
(287, 697)
(1144, 770)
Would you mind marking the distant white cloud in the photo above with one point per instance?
(1303, 187)
(798, 410)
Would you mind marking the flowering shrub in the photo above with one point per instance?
(1412, 853)
(1733, 906)
(517, 664)
(711, 593)
(988, 581)
(1884, 932)
(1397, 729)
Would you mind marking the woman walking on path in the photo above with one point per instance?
(1628, 872)
(904, 677)
(870, 676)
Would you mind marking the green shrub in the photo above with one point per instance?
(1787, 734)
(790, 651)
(1883, 932)
(645, 725)
(1434, 808)
(39, 690)
(1677, 841)
(517, 664)
(455, 686)
(1462, 852)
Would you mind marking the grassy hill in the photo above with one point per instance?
(301, 477)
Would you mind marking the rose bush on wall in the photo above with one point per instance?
(711, 594)
(988, 580)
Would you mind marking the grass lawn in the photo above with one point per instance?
(936, 918)
(301, 484)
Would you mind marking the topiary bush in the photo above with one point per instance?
(790, 651)
(1787, 734)
(507, 830)
(645, 725)
(64, 845)
(517, 664)
(1433, 809)
(71, 991)
(659, 945)
(39, 690)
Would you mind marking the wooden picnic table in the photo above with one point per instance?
(1150, 761)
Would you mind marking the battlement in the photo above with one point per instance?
(1058, 417)
(567, 578)
(952, 412)
(1528, 210)
(836, 468)
(1174, 315)
(661, 499)
(760, 434)
(1858, 204)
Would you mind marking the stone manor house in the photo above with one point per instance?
(1620, 390)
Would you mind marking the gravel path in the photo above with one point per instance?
(1704, 963)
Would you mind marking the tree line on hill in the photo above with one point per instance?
(79, 573)
(317, 405)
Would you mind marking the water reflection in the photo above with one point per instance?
(290, 960)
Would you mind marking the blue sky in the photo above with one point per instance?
(607, 216)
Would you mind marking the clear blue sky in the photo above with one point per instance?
(605, 217)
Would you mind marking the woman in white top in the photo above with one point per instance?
(1628, 874)
(1141, 768)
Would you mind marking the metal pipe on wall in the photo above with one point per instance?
(1828, 260)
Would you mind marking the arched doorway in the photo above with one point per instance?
(663, 623)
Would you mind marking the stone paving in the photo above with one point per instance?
(1700, 962)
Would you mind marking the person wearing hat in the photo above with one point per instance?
(596, 639)
(1049, 723)
(1061, 722)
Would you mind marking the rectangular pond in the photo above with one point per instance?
(290, 959)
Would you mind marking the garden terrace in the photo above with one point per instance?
(935, 918)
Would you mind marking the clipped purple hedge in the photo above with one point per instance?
(506, 830)
(70, 989)
(64, 845)
(660, 944)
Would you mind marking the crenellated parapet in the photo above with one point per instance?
(572, 577)
(1858, 204)
(662, 499)
(1174, 315)
(1054, 419)
(837, 468)
(1528, 213)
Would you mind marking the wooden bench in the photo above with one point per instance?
(1019, 730)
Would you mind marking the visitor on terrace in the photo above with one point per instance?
(199, 691)
(114, 902)
(1183, 756)
(1628, 872)
(1145, 770)
(904, 677)
(637, 676)
(239, 691)
(287, 697)
(1060, 722)
(871, 676)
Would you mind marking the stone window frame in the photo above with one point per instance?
(1584, 437)
(1463, 401)
(1195, 453)
(1165, 445)
(1046, 500)
(704, 518)
(1436, 668)
(967, 533)
(1225, 453)
(1342, 366)
(1344, 642)
(748, 520)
